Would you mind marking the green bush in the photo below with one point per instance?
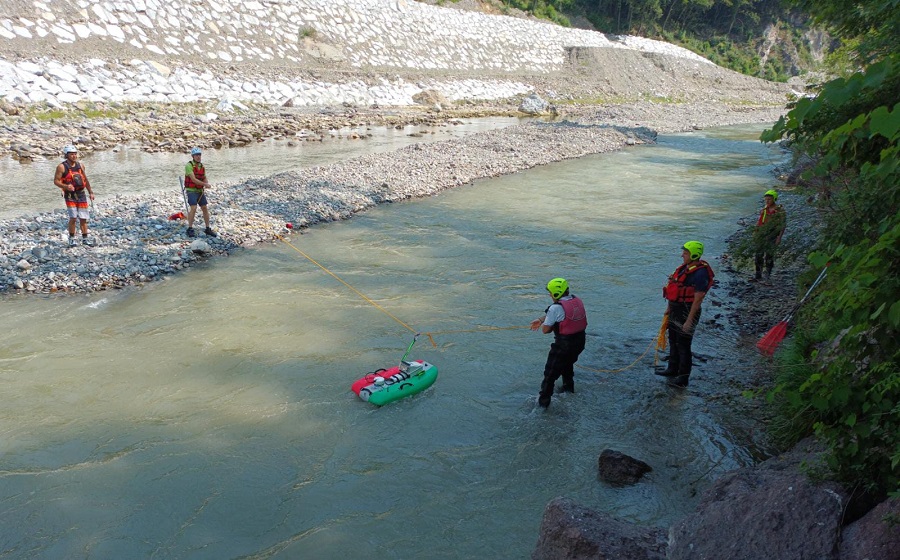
(856, 394)
(851, 399)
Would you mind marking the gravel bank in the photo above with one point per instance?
(138, 243)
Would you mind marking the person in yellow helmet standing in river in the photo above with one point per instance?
(567, 320)
(685, 290)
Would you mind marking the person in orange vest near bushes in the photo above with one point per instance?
(770, 228)
(71, 178)
(567, 320)
(685, 290)
(194, 185)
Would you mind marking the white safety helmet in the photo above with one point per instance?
(70, 149)
(196, 151)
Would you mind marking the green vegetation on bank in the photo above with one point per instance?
(847, 387)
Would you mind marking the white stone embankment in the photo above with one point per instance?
(163, 51)
(57, 84)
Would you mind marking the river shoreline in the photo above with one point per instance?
(138, 243)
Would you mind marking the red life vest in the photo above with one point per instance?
(70, 174)
(676, 290)
(199, 173)
(576, 317)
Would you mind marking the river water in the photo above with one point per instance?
(208, 415)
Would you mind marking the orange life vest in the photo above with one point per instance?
(677, 290)
(74, 175)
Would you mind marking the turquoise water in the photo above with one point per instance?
(208, 415)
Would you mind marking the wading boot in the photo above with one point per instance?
(679, 381)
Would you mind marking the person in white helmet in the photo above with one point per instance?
(73, 182)
(194, 184)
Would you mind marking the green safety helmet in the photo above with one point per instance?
(773, 193)
(557, 287)
(695, 248)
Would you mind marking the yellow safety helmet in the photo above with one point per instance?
(773, 193)
(695, 248)
(557, 287)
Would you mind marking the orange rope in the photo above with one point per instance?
(338, 278)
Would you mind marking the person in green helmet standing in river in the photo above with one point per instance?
(567, 320)
(685, 290)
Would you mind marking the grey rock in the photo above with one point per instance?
(199, 246)
(572, 532)
(619, 469)
(533, 105)
(875, 536)
(771, 511)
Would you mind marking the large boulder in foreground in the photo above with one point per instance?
(572, 532)
(771, 511)
(875, 536)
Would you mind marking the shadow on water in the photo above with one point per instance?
(209, 415)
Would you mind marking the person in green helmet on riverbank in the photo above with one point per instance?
(567, 320)
(685, 290)
(770, 228)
